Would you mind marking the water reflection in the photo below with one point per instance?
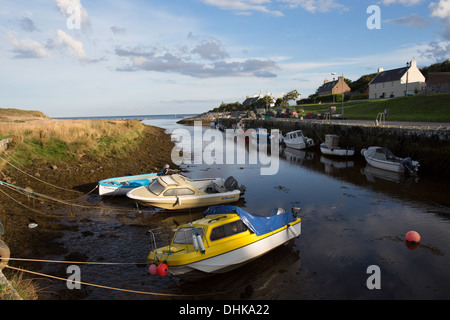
(353, 216)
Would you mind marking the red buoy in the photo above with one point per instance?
(413, 237)
(162, 270)
(152, 269)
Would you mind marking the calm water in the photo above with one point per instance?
(352, 217)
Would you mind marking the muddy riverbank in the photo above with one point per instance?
(68, 182)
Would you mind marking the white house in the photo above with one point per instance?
(397, 82)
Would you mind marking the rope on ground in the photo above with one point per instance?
(43, 198)
(77, 262)
(23, 205)
(113, 288)
(40, 180)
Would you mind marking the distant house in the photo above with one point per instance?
(251, 100)
(438, 82)
(397, 82)
(333, 87)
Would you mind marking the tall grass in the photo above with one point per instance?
(54, 140)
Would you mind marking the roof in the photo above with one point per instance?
(438, 77)
(250, 101)
(328, 86)
(389, 75)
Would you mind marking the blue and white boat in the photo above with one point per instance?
(119, 186)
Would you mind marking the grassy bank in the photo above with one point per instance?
(427, 108)
(58, 141)
(74, 155)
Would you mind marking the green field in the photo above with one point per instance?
(426, 108)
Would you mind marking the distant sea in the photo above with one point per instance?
(137, 117)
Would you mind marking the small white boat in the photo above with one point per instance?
(331, 147)
(176, 192)
(383, 158)
(119, 186)
(224, 239)
(296, 140)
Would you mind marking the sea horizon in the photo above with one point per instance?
(130, 117)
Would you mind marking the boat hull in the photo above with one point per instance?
(385, 165)
(336, 151)
(188, 202)
(233, 259)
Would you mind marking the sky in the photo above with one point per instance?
(81, 58)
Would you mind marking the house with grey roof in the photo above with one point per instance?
(333, 87)
(397, 82)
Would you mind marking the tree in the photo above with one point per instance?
(291, 95)
(362, 83)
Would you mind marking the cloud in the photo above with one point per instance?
(314, 6)
(74, 9)
(26, 48)
(407, 3)
(210, 50)
(244, 6)
(118, 31)
(73, 46)
(160, 60)
(437, 51)
(27, 24)
(441, 10)
(413, 21)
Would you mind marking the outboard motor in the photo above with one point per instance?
(231, 184)
(295, 211)
(165, 169)
(407, 163)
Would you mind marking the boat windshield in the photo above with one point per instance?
(155, 187)
(184, 235)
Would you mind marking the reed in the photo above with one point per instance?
(53, 140)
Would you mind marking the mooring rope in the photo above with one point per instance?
(75, 262)
(114, 288)
(40, 180)
(45, 198)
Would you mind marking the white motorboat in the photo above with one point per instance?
(176, 192)
(383, 158)
(331, 147)
(296, 140)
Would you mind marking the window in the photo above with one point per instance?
(184, 235)
(155, 187)
(227, 230)
(178, 192)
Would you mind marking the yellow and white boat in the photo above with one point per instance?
(175, 192)
(224, 239)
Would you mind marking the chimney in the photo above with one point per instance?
(380, 69)
(325, 81)
(413, 63)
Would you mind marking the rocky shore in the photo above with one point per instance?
(19, 212)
